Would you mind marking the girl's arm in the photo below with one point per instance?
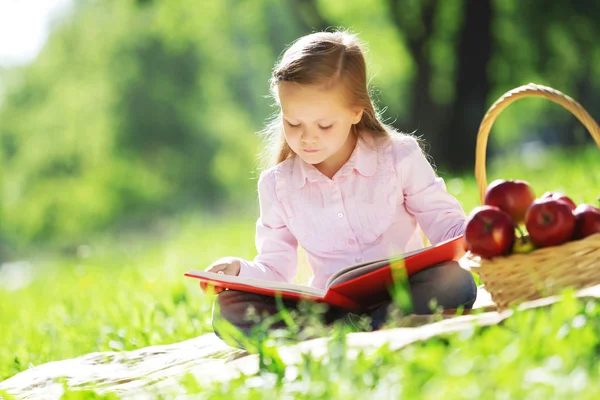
(277, 258)
(438, 213)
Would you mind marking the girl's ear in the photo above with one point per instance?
(357, 115)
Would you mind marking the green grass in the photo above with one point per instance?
(535, 354)
(117, 295)
(124, 293)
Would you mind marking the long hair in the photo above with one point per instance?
(325, 58)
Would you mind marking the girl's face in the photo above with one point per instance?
(317, 124)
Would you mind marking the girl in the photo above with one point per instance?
(345, 186)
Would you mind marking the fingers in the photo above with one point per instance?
(217, 268)
(220, 269)
(235, 267)
(210, 289)
(206, 288)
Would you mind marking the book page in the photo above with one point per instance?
(272, 285)
(343, 271)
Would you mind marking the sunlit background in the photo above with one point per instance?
(120, 113)
(25, 26)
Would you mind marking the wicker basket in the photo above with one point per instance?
(547, 271)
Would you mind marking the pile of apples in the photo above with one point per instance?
(496, 228)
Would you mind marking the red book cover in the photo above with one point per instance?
(352, 288)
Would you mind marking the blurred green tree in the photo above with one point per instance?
(137, 108)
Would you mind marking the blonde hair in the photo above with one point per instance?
(323, 58)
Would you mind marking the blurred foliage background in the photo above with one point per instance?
(135, 110)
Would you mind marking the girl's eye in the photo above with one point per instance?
(292, 125)
(326, 128)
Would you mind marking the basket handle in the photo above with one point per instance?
(524, 91)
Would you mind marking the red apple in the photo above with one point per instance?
(512, 197)
(549, 222)
(587, 221)
(489, 232)
(560, 197)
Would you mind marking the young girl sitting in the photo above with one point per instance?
(345, 186)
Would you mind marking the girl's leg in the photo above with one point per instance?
(253, 314)
(446, 284)
(244, 310)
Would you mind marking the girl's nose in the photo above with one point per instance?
(307, 137)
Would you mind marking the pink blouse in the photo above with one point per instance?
(374, 207)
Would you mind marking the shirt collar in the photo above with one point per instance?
(363, 160)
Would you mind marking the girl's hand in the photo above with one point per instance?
(225, 267)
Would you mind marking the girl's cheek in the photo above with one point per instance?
(293, 134)
(291, 138)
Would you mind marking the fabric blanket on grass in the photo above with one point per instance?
(159, 369)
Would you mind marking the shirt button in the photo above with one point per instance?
(357, 258)
(351, 242)
(340, 215)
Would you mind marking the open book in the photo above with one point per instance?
(355, 287)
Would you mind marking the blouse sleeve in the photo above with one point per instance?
(277, 258)
(438, 213)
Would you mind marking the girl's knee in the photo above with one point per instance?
(463, 284)
(228, 305)
(446, 284)
(228, 317)
(233, 306)
(244, 311)
(453, 272)
(447, 274)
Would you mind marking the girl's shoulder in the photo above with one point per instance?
(397, 145)
(275, 178)
(282, 169)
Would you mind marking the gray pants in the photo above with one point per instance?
(447, 285)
